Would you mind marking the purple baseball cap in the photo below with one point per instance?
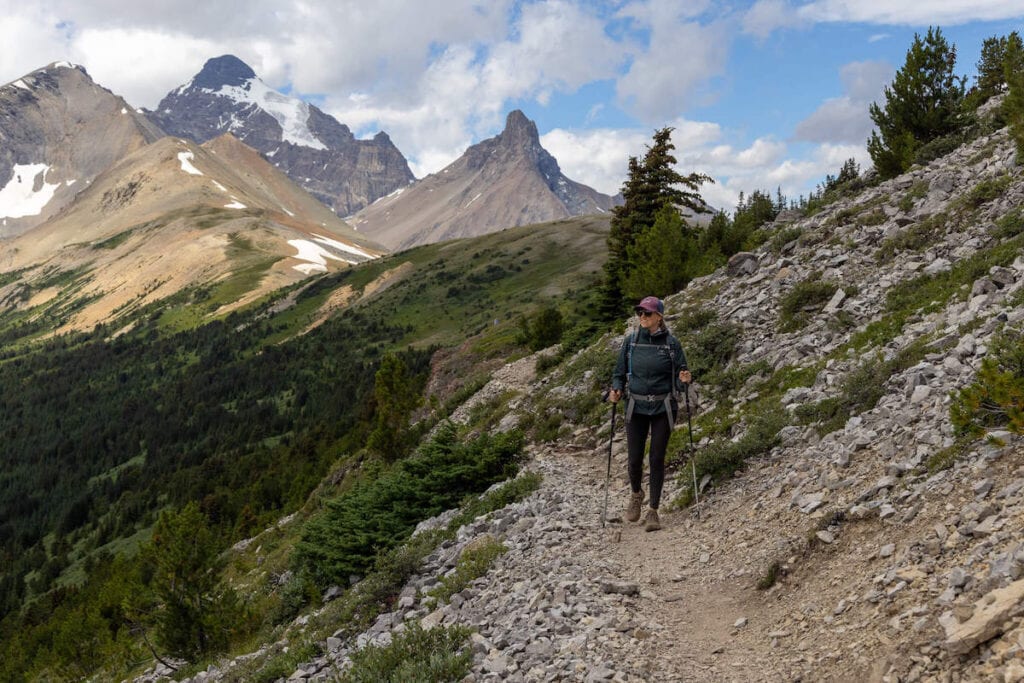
(651, 304)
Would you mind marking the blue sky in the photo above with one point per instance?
(762, 93)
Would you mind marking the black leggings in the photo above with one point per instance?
(637, 428)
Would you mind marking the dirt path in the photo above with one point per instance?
(696, 624)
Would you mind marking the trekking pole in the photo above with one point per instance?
(608, 477)
(693, 461)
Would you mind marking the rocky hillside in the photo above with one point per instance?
(311, 147)
(173, 216)
(58, 131)
(502, 182)
(843, 531)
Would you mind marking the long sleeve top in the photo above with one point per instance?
(649, 368)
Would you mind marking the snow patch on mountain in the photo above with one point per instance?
(341, 246)
(314, 255)
(20, 198)
(235, 205)
(290, 112)
(186, 163)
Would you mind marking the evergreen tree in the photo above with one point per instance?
(1013, 104)
(923, 103)
(991, 79)
(650, 185)
(660, 257)
(543, 329)
(194, 617)
(395, 396)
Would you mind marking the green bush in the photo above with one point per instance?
(917, 191)
(378, 514)
(802, 302)
(709, 350)
(414, 656)
(473, 563)
(541, 330)
(914, 238)
(985, 191)
(1010, 225)
(722, 459)
(784, 237)
(876, 217)
(996, 398)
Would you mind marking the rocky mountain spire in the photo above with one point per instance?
(519, 130)
(501, 182)
(226, 70)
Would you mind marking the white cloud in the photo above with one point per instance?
(597, 157)
(846, 119)
(765, 16)
(106, 51)
(31, 40)
(463, 94)
(917, 13)
(680, 58)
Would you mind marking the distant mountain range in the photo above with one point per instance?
(102, 213)
(312, 148)
(105, 215)
(502, 182)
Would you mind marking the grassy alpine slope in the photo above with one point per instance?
(243, 414)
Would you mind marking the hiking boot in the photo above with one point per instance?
(633, 510)
(651, 522)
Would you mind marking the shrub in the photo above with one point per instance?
(783, 237)
(541, 330)
(473, 563)
(985, 191)
(876, 217)
(805, 299)
(377, 514)
(722, 459)
(914, 238)
(917, 191)
(860, 391)
(414, 656)
(710, 349)
(1010, 225)
(996, 398)
(770, 577)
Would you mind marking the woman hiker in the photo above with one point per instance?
(650, 374)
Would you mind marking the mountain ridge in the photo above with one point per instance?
(59, 130)
(500, 182)
(313, 148)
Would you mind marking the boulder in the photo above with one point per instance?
(990, 614)
(741, 264)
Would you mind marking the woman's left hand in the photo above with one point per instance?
(685, 377)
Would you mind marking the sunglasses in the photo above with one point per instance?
(645, 314)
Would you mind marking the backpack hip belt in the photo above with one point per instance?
(653, 398)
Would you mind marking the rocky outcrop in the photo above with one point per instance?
(317, 152)
(502, 182)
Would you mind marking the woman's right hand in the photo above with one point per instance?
(614, 395)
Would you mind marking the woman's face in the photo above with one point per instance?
(649, 321)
